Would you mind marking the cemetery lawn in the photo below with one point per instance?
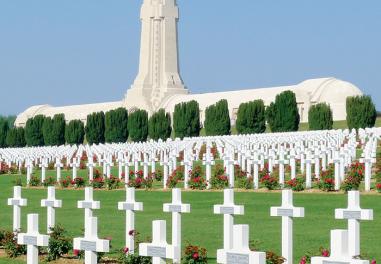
(201, 226)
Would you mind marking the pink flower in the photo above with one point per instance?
(125, 250)
(325, 253)
(195, 255)
(374, 261)
(76, 252)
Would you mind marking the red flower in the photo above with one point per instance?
(374, 261)
(378, 186)
(131, 232)
(76, 252)
(195, 256)
(125, 250)
(325, 253)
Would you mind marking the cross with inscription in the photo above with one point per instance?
(165, 165)
(130, 206)
(51, 203)
(33, 239)
(208, 162)
(228, 209)
(240, 253)
(368, 160)
(75, 165)
(308, 162)
(287, 211)
(145, 163)
(336, 160)
(58, 165)
(90, 166)
(354, 214)
(176, 208)
(281, 161)
(88, 204)
(43, 167)
(17, 202)
(339, 251)
(29, 170)
(187, 163)
(159, 249)
(91, 244)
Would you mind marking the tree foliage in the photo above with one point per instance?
(138, 125)
(116, 125)
(95, 128)
(282, 115)
(4, 127)
(361, 112)
(186, 119)
(33, 131)
(217, 119)
(16, 138)
(320, 117)
(251, 117)
(47, 131)
(75, 132)
(159, 125)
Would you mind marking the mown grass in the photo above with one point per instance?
(201, 226)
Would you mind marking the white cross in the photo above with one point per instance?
(33, 239)
(145, 164)
(153, 162)
(17, 202)
(43, 167)
(120, 165)
(228, 209)
(29, 170)
(292, 157)
(281, 161)
(316, 155)
(230, 162)
(130, 206)
(336, 160)
(51, 203)
(91, 244)
(255, 161)
(339, 251)
(240, 252)
(75, 165)
(208, 161)
(88, 204)
(165, 164)
(176, 208)
(187, 163)
(90, 166)
(58, 166)
(308, 162)
(354, 214)
(159, 249)
(368, 170)
(287, 211)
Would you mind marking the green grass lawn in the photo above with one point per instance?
(201, 226)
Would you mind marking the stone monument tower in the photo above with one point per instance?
(158, 78)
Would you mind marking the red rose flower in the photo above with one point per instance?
(195, 256)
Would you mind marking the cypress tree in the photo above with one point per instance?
(320, 117)
(159, 125)
(361, 112)
(47, 131)
(58, 130)
(4, 127)
(95, 128)
(75, 132)
(33, 131)
(138, 126)
(251, 117)
(217, 119)
(16, 138)
(283, 115)
(186, 119)
(116, 125)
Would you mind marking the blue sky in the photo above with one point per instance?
(65, 52)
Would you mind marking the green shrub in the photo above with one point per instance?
(251, 118)
(12, 249)
(138, 126)
(246, 183)
(282, 115)
(361, 112)
(116, 125)
(75, 132)
(95, 128)
(49, 181)
(159, 125)
(186, 120)
(16, 138)
(33, 131)
(59, 243)
(217, 120)
(34, 181)
(320, 117)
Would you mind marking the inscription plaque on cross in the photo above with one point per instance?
(354, 214)
(240, 253)
(159, 249)
(16, 201)
(33, 239)
(176, 208)
(130, 206)
(228, 209)
(287, 211)
(51, 203)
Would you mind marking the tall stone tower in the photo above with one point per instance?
(158, 77)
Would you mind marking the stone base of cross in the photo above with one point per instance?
(91, 244)
(33, 239)
(159, 249)
(339, 251)
(240, 252)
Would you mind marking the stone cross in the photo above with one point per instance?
(58, 165)
(75, 165)
(368, 160)
(120, 161)
(136, 160)
(316, 156)
(130, 206)
(165, 165)
(88, 204)
(230, 162)
(17, 202)
(187, 163)
(90, 243)
(292, 157)
(43, 167)
(176, 208)
(145, 165)
(287, 211)
(29, 170)
(51, 203)
(159, 249)
(90, 166)
(339, 251)
(354, 214)
(228, 209)
(255, 161)
(308, 162)
(153, 162)
(336, 160)
(240, 253)
(208, 161)
(127, 165)
(281, 161)
(33, 239)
